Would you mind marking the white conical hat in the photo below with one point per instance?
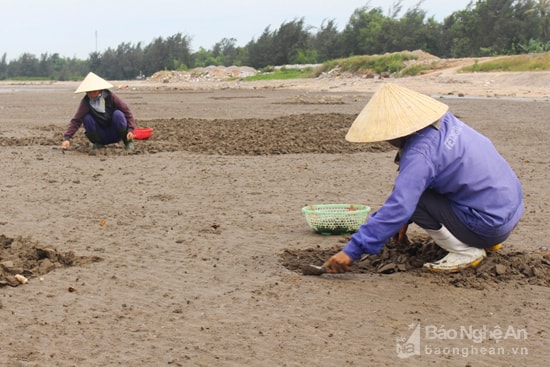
(394, 112)
(93, 82)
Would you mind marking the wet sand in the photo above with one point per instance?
(185, 250)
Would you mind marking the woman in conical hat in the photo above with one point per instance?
(451, 182)
(106, 117)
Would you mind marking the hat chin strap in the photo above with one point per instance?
(460, 256)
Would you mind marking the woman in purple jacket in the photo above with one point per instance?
(106, 117)
(452, 182)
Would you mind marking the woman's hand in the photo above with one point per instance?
(65, 145)
(401, 237)
(339, 263)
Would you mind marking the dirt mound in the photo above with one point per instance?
(308, 133)
(304, 133)
(221, 73)
(513, 267)
(23, 257)
(209, 73)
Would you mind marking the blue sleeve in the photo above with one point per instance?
(414, 176)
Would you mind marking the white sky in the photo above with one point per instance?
(74, 28)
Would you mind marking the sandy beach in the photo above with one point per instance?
(187, 250)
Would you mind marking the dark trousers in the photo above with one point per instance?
(113, 133)
(434, 210)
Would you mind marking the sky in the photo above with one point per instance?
(77, 28)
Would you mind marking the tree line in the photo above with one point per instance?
(483, 28)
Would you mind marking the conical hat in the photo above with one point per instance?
(93, 82)
(394, 112)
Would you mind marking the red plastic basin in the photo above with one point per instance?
(142, 133)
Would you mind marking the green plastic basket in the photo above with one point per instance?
(329, 219)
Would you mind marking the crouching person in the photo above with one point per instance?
(106, 117)
(451, 181)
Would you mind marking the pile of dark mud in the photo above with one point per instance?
(294, 134)
(499, 267)
(22, 260)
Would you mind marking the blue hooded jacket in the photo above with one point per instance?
(454, 160)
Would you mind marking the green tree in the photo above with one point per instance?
(456, 36)
(497, 26)
(362, 33)
(410, 31)
(305, 57)
(3, 66)
(484, 27)
(179, 51)
(542, 9)
(204, 57)
(260, 51)
(172, 53)
(225, 51)
(26, 66)
(291, 38)
(94, 61)
(328, 42)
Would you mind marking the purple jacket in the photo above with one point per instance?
(84, 109)
(456, 161)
